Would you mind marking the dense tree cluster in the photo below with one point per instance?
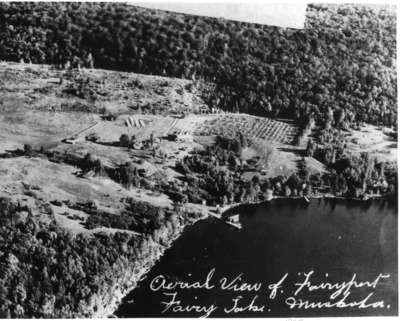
(46, 271)
(215, 175)
(138, 217)
(352, 174)
(342, 64)
(91, 163)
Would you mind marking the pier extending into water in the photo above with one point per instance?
(219, 217)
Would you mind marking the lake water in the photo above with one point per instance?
(334, 238)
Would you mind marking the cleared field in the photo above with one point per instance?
(28, 180)
(110, 131)
(251, 126)
(39, 87)
(187, 125)
(36, 108)
(39, 128)
(109, 155)
(142, 126)
(373, 140)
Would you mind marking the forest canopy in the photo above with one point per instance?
(343, 61)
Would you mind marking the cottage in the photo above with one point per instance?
(71, 140)
(204, 110)
(109, 117)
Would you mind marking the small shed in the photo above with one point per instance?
(234, 218)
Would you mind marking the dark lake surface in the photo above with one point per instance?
(334, 238)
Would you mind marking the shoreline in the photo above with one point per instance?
(117, 297)
(228, 207)
(206, 211)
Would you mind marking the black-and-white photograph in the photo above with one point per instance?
(184, 159)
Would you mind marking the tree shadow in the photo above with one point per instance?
(298, 152)
(113, 144)
(12, 153)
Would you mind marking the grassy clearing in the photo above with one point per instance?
(30, 179)
(374, 140)
(39, 87)
(38, 110)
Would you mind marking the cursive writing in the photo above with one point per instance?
(176, 306)
(161, 283)
(252, 306)
(342, 288)
(293, 302)
(238, 285)
(180, 296)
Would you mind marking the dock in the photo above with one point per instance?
(211, 212)
(219, 217)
